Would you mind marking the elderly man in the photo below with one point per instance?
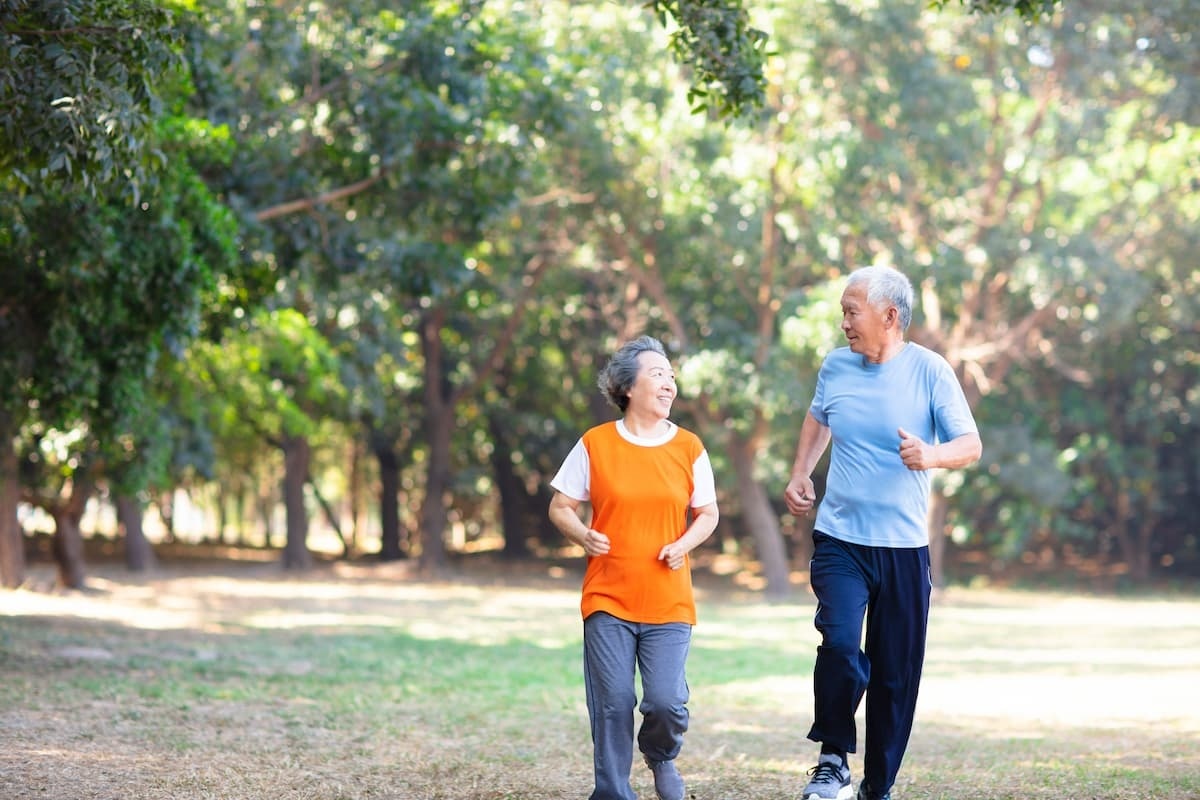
(894, 411)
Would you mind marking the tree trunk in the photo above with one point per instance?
(241, 522)
(12, 539)
(1144, 567)
(296, 457)
(537, 506)
(439, 427)
(139, 555)
(1134, 538)
(222, 512)
(166, 512)
(264, 505)
(437, 483)
(216, 533)
(390, 547)
(354, 491)
(68, 548)
(512, 493)
(759, 515)
(68, 539)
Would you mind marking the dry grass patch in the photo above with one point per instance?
(359, 683)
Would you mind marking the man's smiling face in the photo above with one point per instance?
(866, 327)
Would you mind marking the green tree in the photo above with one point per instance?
(406, 137)
(87, 312)
(724, 51)
(277, 381)
(957, 158)
(87, 309)
(80, 92)
(1028, 10)
(983, 163)
(675, 241)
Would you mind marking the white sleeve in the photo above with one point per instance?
(705, 490)
(574, 476)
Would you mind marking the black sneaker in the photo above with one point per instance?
(830, 779)
(668, 783)
(864, 794)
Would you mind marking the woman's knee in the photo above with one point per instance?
(665, 716)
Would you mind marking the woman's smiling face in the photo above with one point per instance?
(654, 390)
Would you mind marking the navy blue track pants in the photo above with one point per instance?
(890, 589)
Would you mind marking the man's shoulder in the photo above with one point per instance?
(923, 355)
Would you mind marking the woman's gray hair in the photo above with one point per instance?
(886, 286)
(621, 371)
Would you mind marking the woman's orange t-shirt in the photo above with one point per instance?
(640, 499)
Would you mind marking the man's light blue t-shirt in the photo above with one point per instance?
(871, 498)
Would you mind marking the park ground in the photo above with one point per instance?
(234, 680)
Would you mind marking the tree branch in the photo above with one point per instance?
(63, 32)
(308, 203)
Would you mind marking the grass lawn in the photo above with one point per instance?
(236, 682)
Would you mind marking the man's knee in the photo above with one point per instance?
(840, 641)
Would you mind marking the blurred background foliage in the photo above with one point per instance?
(336, 277)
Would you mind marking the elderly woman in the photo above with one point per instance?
(653, 501)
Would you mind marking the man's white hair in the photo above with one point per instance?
(886, 286)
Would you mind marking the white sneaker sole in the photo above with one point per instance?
(845, 793)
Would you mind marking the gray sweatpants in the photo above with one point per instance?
(611, 649)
